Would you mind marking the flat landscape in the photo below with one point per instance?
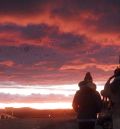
(27, 118)
(39, 123)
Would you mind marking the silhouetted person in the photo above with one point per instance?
(87, 103)
(88, 81)
(112, 91)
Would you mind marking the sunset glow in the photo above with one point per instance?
(46, 48)
(59, 105)
(39, 97)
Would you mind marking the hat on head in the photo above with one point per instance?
(117, 72)
(88, 77)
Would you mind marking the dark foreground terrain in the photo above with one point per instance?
(39, 123)
(26, 118)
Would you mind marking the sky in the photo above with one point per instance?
(47, 46)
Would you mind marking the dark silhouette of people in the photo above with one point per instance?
(112, 92)
(88, 81)
(87, 103)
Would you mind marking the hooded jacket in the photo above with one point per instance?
(87, 103)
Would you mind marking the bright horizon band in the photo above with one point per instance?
(49, 97)
(56, 105)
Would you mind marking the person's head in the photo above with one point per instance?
(88, 77)
(117, 72)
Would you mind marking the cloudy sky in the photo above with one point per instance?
(46, 47)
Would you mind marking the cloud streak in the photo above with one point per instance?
(34, 98)
(56, 42)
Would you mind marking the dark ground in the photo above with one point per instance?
(38, 123)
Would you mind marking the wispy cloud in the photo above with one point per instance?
(56, 42)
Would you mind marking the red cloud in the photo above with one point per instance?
(33, 98)
(7, 63)
(104, 67)
(98, 21)
(41, 38)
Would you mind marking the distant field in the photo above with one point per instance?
(38, 124)
(58, 123)
(27, 118)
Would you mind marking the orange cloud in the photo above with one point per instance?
(7, 63)
(43, 38)
(104, 67)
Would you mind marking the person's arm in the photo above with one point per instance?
(106, 91)
(108, 82)
(75, 102)
(98, 102)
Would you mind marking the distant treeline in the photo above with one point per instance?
(34, 113)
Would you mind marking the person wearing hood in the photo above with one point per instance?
(87, 103)
(112, 92)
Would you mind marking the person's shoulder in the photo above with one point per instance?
(116, 81)
(94, 84)
(97, 93)
(78, 91)
(82, 83)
